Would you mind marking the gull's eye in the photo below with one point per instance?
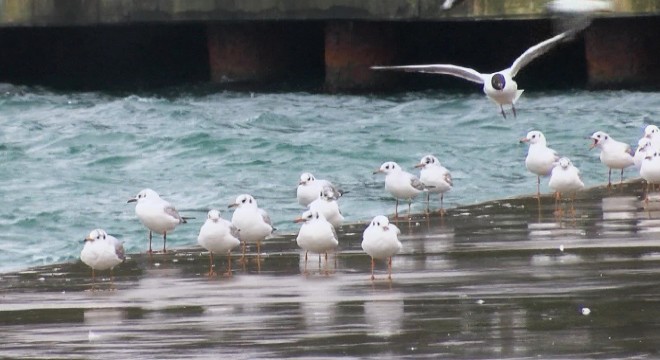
(598, 136)
(378, 223)
(244, 201)
(533, 136)
(605, 137)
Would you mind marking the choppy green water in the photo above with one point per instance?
(71, 160)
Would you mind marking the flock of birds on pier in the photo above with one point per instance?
(251, 224)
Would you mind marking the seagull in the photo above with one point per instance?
(447, 4)
(577, 14)
(644, 148)
(101, 251)
(156, 214)
(328, 207)
(309, 189)
(401, 184)
(436, 177)
(579, 6)
(218, 235)
(499, 86)
(652, 133)
(565, 178)
(650, 171)
(614, 154)
(380, 240)
(253, 223)
(316, 234)
(540, 159)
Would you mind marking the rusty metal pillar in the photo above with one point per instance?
(247, 52)
(352, 47)
(623, 52)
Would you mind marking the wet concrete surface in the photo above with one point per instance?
(503, 279)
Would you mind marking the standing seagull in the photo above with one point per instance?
(327, 205)
(436, 177)
(540, 159)
(218, 235)
(381, 241)
(401, 184)
(156, 214)
(499, 86)
(644, 148)
(309, 189)
(565, 178)
(650, 171)
(253, 223)
(652, 133)
(316, 235)
(101, 251)
(614, 154)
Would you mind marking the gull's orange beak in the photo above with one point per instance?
(298, 220)
(523, 140)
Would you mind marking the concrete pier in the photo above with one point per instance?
(336, 41)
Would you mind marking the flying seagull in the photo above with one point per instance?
(498, 86)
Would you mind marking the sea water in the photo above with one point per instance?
(71, 160)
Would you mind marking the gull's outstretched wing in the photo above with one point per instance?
(446, 69)
(536, 51)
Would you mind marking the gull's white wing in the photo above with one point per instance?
(536, 51)
(446, 69)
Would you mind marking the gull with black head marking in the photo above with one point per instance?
(327, 205)
(218, 235)
(401, 184)
(650, 171)
(310, 187)
(498, 86)
(101, 251)
(436, 177)
(644, 147)
(614, 154)
(652, 133)
(157, 214)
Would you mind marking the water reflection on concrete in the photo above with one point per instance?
(506, 279)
